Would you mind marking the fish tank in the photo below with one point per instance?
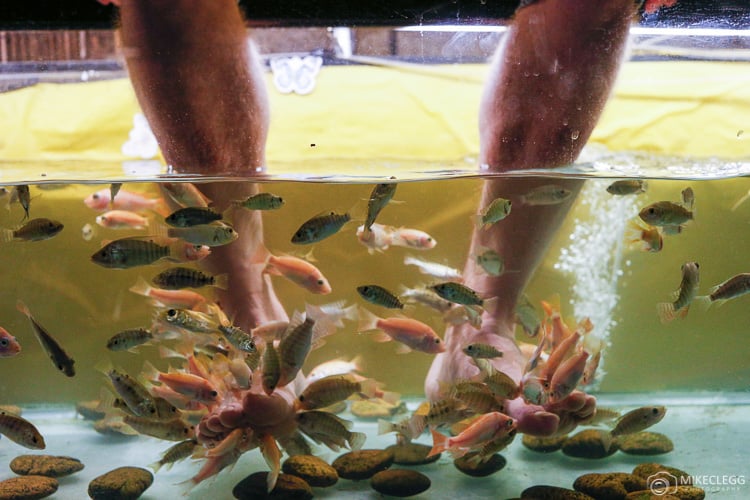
(368, 294)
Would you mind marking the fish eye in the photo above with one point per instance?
(214, 394)
(652, 210)
(437, 341)
(95, 196)
(301, 398)
(34, 439)
(655, 410)
(3, 342)
(172, 313)
(321, 282)
(470, 347)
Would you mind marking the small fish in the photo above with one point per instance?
(214, 234)
(299, 272)
(685, 294)
(34, 230)
(491, 261)
(114, 188)
(174, 454)
(87, 232)
(130, 252)
(457, 293)
(327, 428)
(665, 213)
(426, 297)
(260, 201)
(626, 187)
(178, 278)
(334, 367)
(238, 338)
(185, 194)
(172, 299)
(379, 296)
(734, 287)
(638, 420)
(293, 349)
(193, 386)
(192, 253)
(192, 216)
(496, 211)
(410, 333)
(135, 396)
(320, 227)
(482, 351)
(332, 389)
(126, 200)
(567, 376)
(528, 317)
(644, 237)
(23, 195)
(271, 368)
(168, 430)
(433, 268)
(488, 427)
(378, 239)
(126, 340)
(413, 238)
(548, 194)
(9, 346)
(193, 321)
(122, 219)
(56, 353)
(379, 198)
(21, 431)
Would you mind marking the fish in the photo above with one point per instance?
(238, 338)
(320, 227)
(193, 321)
(496, 211)
(378, 239)
(260, 201)
(491, 261)
(334, 367)
(643, 236)
(427, 297)
(433, 268)
(498, 382)
(168, 430)
(298, 271)
(379, 296)
(191, 253)
(410, 333)
(488, 427)
(122, 219)
(293, 349)
(126, 253)
(134, 394)
(528, 317)
(327, 428)
(175, 453)
(193, 386)
(271, 369)
(172, 299)
(34, 230)
(87, 232)
(665, 213)
(668, 311)
(126, 200)
(56, 353)
(214, 234)
(548, 194)
(126, 340)
(185, 194)
(23, 195)
(178, 278)
(638, 420)
(379, 198)
(483, 351)
(457, 293)
(21, 431)
(566, 377)
(412, 238)
(626, 187)
(192, 216)
(9, 346)
(734, 287)
(332, 389)
(653, 6)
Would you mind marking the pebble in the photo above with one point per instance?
(123, 483)
(543, 444)
(609, 485)
(588, 444)
(89, 410)
(27, 487)
(376, 408)
(671, 474)
(315, 471)
(288, 487)
(681, 492)
(362, 464)
(645, 443)
(480, 469)
(544, 492)
(400, 482)
(45, 465)
(412, 454)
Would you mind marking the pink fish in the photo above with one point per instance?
(9, 346)
(125, 200)
(411, 333)
(413, 238)
(122, 219)
(566, 378)
(488, 427)
(298, 271)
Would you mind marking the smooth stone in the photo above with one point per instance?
(27, 487)
(671, 474)
(362, 464)
(544, 492)
(588, 444)
(288, 487)
(315, 471)
(45, 465)
(609, 485)
(479, 469)
(543, 444)
(400, 482)
(123, 483)
(645, 443)
(412, 454)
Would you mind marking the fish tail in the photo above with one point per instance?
(385, 427)
(368, 388)
(666, 312)
(705, 302)
(149, 371)
(606, 437)
(141, 287)
(367, 320)
(478, 222)
(222, 281)
(156, 466)
(391, 397)
(271, 454)
(104, 365)
(6, 235)
(23, 308)
(356, 440)
(439, 443)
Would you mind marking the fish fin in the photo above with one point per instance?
(367, 320)
(416, 425)
(141, 287)
(227, 444)
(356, 440)
(477, 220)
(385, 427)
(272, 455)
(368, 388)
(391, 397)
(261, 255)
(104, 365)
(666, 312)
(160, 207)
(222, 281)
(403, 349)
(682, 313)
(439, 443)
(149, 371)
(156, 466)
(381, 337)
(6, 235)
(23, 308)
(705, 302)
(606, 437)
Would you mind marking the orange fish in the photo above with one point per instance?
(9, 346)
(652, 6)
(413, 238)
(411, 333)
(488, 427)
(125, 200)
(299, 272)
(122, 219)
